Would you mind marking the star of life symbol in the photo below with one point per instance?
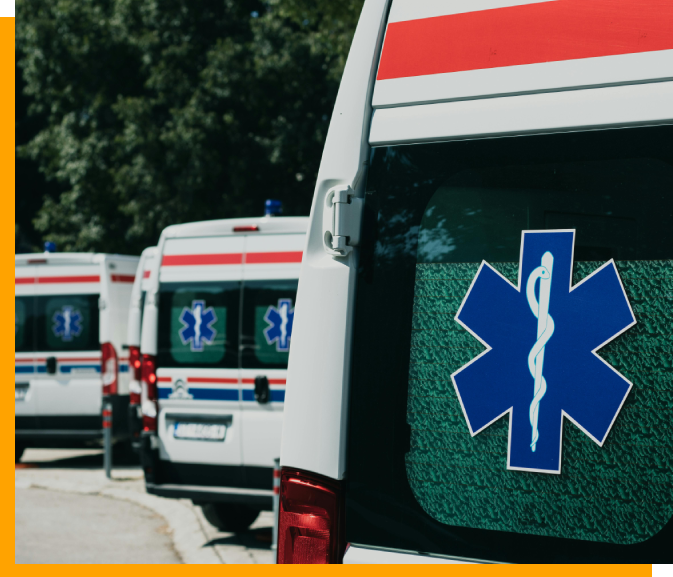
(280, 321)
(198, 326)
(540, 364)
(67, 323)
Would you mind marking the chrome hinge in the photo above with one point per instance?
(342, 220)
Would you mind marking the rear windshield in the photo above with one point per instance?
(200, 324)
(268, 314)
(56, 323)
(420, 478)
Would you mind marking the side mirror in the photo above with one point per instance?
(51, 365)
(262, 390)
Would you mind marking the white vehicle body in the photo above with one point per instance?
(435, 71)
(138, 293)
(224, 260)
(68, 306)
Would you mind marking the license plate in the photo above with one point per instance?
(199, 431)
(20, 392)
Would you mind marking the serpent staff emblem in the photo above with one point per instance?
(545, 329)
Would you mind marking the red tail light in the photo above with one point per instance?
(149, 396)
(310, 521)
(109, 368)
(135, 363)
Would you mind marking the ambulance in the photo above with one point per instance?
(481, 356)
(216, 333)
(70, 313)
(140, 286)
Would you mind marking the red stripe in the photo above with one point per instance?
(146, 274)
(78, 359)
(164, 379)
(271, 381)
(211, 380)
(24, 280)
(201, 259)
(528, 34)
(67, 279)
(23, 360)
(123, 278)
(272, 257)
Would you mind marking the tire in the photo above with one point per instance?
(229, 517)
(19, 448)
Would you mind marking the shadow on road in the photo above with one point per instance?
(69, 459)
(252, 539)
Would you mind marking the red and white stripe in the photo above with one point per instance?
(442, 50)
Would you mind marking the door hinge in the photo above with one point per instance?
(342, 220)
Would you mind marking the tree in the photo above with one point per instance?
(158, 112)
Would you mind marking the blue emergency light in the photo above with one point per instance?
(49, 246)
(273, 207)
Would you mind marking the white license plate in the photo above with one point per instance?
(199, 431)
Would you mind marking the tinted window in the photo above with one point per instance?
(67, 323)
(417, 479)
(23, 324)
(268, 314)
(198, 324)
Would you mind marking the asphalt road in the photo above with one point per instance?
(55, 527)
(68, 512)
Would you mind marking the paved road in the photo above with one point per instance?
(56, 527)
(66, 507)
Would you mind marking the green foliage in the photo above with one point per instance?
(158, 112)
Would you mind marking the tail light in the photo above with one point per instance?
(109, 366)
(310, 520)
(149, 396)
(135, 363)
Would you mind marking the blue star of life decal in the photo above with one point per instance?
(67, 323)
(540, 364)
(198, 326)
(280, 321)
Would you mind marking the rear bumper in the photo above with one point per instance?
(261, 499)
(203, 483)
(50, 430)
(58, 434)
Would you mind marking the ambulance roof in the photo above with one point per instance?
(264, 224)
(61, 258)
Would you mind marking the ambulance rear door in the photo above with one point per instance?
(24, 347)
(197, 350)
(66, 382)
(270, 273)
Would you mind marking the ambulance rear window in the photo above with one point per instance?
(268, 314)
(419, 478)
(198, 324)
(23, 324)
(67, 323)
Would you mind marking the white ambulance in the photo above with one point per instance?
(215, 339)
(422, 425)
(70, 324)
(132, 345)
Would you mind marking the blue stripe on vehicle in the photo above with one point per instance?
(164, 392)
(42, 369)
(214, 394)
(23, 369)
(123, 368)
(276, 396)
(69, 368)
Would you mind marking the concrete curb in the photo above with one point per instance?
(186, 530)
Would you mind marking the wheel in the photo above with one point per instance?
(229, 517)
(19, 448)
